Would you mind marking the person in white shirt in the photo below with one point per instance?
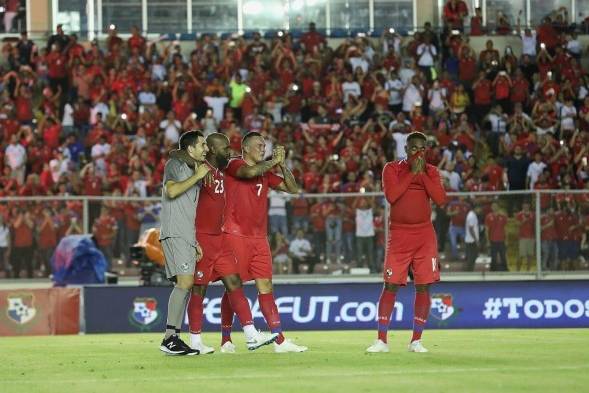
(101, 108)
(350, 87)
(437, 98)
(534, 170)
(101, 149)
(449, 173)
(395, 88)
(15, 157)
(574, 46)
(400, 128)
(426, 53)
(528, 42)
(4, 246)
(67, 121)
(471, 237)
(277, 213)
(365, 237)
(301, 252)
(172, 128)
(568, 116)
(413, 94)
(217, 104)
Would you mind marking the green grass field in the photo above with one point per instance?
(554, 360)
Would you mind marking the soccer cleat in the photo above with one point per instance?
(378, 346)
(288, 346)
(261, 339)
(228, 347)
(416, 346)
(174, 346)
(203, 349)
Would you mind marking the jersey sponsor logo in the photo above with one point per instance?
(442, 307)
(144, 312)
(21, 308)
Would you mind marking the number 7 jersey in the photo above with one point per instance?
(211, 204)
(246, 205)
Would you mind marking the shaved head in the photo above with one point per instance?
(217, 139)
(219, 150)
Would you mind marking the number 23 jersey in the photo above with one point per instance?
(211, 204)
(246, 201)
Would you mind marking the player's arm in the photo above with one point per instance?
(249, 172)
(176, 188)
(433, 185)
(288, 184)
(394, 186)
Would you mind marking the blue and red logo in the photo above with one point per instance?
(442, 307)
(144, 312)
(21, 308)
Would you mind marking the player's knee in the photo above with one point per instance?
(232, 282)
(391, 287)
(264, 285)
(421, 288)
(184, 282)
(200, 290)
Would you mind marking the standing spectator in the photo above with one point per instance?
(312, 40)
(333, 230)
(5, 243)
(132, 223)
(457, 211)
(16, 158)
(318, 223)
(60, 38)
(472, 237)
(10, 12)
(549, 236)
(47, 240)
(365, 234)
(495, 223)
(280, 255)
(567, 227)
(426, 57)
(454, 13)
(171, 128)
(301, 252)
(300, 213)
(238, 91)
(26, 48)
(277, 213)
(349, 231)
(516, 167)
(534, 170)
(526, 220)
(104, 231)
(22, 252)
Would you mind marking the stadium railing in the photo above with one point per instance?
(329, 222)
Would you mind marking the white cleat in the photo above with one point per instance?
(378, 346)
(261, 339)
(416, 346)
(288, 346)
(204, 350)
(228, 347)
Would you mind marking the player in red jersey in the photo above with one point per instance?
(218, 260)
(247, 183)
(408, 186)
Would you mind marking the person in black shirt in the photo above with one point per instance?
(25, 48)
(516, 167)
(59, 38)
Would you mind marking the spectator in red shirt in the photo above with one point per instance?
(104, 231)
(549, 237)
(312, 40)
(476, 22)
(526, 220)
(22, 252)
(495, 223)
(47, 240)
(454, 13)
(457, 211)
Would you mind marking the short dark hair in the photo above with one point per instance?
(416, 135)
(189, 138)
(250, 135)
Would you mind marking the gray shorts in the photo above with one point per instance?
(180, 256)
(526, 247)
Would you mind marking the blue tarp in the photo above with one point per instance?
(77, 260)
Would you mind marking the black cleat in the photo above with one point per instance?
(174, 346)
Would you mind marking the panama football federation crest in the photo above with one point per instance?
(21, 308)
(144, 312)
(442, 307)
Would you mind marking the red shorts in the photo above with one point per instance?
(415, 247)
(217, 261)
(253, 255)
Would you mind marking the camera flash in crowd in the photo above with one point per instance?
(295, 87)
(248, 89)
(362, 190)
(391, 30)
(124, 116)
(112, 26)
(193, 115)
(280, 33)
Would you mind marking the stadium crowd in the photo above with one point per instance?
(99, 119)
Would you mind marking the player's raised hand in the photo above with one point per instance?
(281, 154)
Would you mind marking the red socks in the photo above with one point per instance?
(386, 304)
(226, 318)
(195, 312)
(421, 310)
(241, 307)
(270, 312)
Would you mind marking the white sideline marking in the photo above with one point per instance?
(224, 377)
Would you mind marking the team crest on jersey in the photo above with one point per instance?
(199, 274)
(442, 307)
(389, 272)
(21, 308)
(144, 312)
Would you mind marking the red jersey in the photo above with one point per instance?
(526, 225)
(495, 224)
(548, 227)
(246, 207)
(211, 204)
(409, 194)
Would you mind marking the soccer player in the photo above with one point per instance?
(408, 186)
(246, 227)
(177, 236)
(218, 260)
